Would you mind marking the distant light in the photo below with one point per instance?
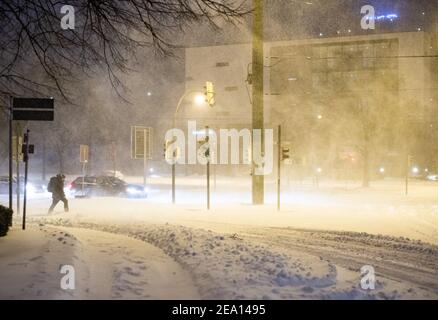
(30, 188)
(382, 170)
(319, 116)
(319, 170)
(415, 170)
(391, 17)
(199, 99)
(349, 30)
(151, 170)
(292, 79)
(426, 170)
(419, 28)
(321, 34)
(149, 93)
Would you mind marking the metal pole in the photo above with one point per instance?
(173, 157)
(173, 183)
(26, 166)
(17, 158)
(214, 178)
(145, 158)
(407, 173)
(207, 138)
(83, 178)
(257, 101)
(278, 167)
(10, 153)
(44, 156)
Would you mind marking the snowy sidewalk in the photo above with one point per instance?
(106, 266)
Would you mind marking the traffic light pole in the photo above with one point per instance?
(26, 166)
(207, 138)
(279, 167)
(173, 183)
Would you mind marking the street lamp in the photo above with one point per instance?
(199, 99)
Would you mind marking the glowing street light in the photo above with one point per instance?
(199, 99)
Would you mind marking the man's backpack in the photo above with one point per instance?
(51, 185)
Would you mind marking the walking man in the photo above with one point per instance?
(56, 187)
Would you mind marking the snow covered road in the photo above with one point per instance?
(287, 264)
(314, 248)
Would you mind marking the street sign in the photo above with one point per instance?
(33, 109)
(138, 144)
(83, 153)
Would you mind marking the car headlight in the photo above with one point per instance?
(131, 190)
(30, 188)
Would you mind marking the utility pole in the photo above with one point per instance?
(257, 96)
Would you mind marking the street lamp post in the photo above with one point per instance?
(178, 106)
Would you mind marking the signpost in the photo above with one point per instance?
(17, 156)
(26, 109)
(141, 146)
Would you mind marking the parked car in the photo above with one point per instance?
(105, 186)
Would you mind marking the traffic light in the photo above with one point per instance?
(209, 93)
(168, 154)
(285, 153)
